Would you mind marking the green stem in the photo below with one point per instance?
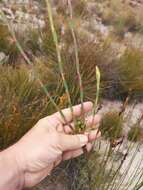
(112, 166)
(60, 63)
(76, 56)
(98, 78)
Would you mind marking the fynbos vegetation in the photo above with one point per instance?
(76, 51)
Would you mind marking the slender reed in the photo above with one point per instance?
(133, 157)
(122, 179)
(60, 63)
(139, 183)
(133, 176)
(76, 55)
(94, 110)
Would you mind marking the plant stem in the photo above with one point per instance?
(122, 179)
(60, 63)
(76, 56)
(98, 78)
(134, 175)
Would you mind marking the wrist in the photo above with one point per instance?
(12, 173)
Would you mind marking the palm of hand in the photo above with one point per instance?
(50, 142)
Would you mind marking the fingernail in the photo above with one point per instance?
(83, 139)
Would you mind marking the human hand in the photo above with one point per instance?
(50, 142)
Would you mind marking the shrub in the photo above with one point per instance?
(124, 23)
(22, 102)
(111, 125)
(8, 45)
(4, 35)
(102, 55)
(121, 16)
(79, 8)
(130, 70)
(135, 133)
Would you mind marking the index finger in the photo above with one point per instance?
(77, 112)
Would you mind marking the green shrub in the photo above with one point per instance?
(8, 45)
(121, 16)
(4, 35)
(111, 125)
(79, 8)
(135, 133)
(101, 55)
(22, 104)
(124, 22)
(130, 70)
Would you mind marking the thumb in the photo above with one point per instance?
(72, 142)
